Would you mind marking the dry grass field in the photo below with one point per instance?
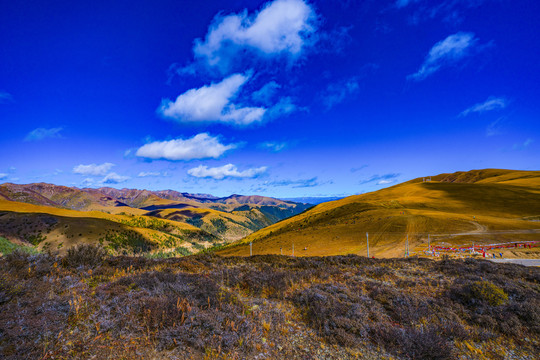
(482, 206)
(86, 305)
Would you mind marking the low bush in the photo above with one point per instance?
(85, 255)
(481, 292)
(412, 343)
(267, 306)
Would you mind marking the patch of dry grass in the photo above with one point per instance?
(88, 305)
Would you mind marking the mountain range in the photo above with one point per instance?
(131, 220)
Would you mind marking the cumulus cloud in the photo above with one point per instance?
(201, 146)
(42, 133)
(281, 28)
(114, 178)
(492, 103)
(213, 103)
(3, 176)
(381, 179)
(5, 97)
(225, 171)
(446, 52)
(93, 169)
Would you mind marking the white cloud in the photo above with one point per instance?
(3, 176)
(450, 10)
(282, 27)
(265, 94)
(381, 179)
(496, 127)
(42, 133)
(338, 92)
(224, 171)
(149, 174)
(524, 145)
(114, 178)
(213, 103)
(300, 183)
(492, 103)
(448, 51)
(273, 145)
(87, 182)
(200, 146)
(284, 106)
(93, 169)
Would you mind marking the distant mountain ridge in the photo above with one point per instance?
(314, 200)
(78, 199)
(171, 213)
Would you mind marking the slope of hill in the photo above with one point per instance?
(58, 229)
(200, 219)
(481, 206)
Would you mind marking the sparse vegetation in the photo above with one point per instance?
(84, 255)
(126, 240)
(7, 247)
(275, 307)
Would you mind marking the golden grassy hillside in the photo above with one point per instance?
(161, 219)
(481, 206)
(58, 229)
(229, 226)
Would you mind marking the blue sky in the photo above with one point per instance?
(281, 98)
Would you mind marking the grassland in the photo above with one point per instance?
(54, 229)
(7, 247)
(89, 305)
(484, 206)
(158, 223)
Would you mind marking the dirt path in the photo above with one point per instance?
(479, 228)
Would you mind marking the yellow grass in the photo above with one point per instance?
(483, 208)
(80, 227)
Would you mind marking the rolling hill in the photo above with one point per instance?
(57, 217)
(481, 206)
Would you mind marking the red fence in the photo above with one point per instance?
(482, 248)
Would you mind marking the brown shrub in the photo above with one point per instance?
(84, 255)
(412, 343)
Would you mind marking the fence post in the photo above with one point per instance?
(367, 239)
(407, 247)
